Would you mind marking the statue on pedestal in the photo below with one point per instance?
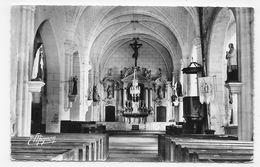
(95, 94)
(75, 81)
(109, 92)
(232, 68)
(38, 65)
(160, 92)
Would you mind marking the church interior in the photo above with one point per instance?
(122, 83)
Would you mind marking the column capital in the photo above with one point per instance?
(234, 87)
(29, 8)
(169, 83)
(175, 72)
(70, 47)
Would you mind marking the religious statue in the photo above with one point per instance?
(109, 74)
(148, 75)
(75, 81)
(144, 71)
(159, 73)
(179, 88)
(109, 92)
(90, 95)
(121, 74)
(232, 68)
(135, 46)
(160, 92)
(95, 94)
(38, 64)
(125, 72)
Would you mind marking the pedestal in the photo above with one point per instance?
(35, 86)
(234, 87)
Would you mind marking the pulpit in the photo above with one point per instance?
(193, 114)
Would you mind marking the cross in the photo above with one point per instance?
(135, 46)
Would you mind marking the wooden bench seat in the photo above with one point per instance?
(186, 149)
(46, 154)
(86, 147)
(102, 142)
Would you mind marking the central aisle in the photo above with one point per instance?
(133, 147)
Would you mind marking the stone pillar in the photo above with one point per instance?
(146, 97)
(245, 35)
(174, 109)
(124, 95)
(169, 103)
(185, 84)
(116, 101)
(69, 50)
(180, 115)
(151, 97)
(197, 43)
(23, 108)
(120, 97)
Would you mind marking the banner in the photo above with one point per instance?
(206, 89)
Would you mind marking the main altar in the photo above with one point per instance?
(136, 99)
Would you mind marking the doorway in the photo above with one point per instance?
(110, 114)
(161, 114)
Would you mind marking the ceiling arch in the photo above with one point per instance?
(167, 29)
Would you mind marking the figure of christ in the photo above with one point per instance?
(135, 46)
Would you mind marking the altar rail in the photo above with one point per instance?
(124, 126)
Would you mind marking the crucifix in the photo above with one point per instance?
(135, 46)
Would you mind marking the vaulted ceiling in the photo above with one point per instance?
(169, 30)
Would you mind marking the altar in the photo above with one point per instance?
(136, 97)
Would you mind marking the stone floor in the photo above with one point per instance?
(133, 147)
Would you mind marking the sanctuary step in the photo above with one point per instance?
(133, 147)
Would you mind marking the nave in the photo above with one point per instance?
(79, 73)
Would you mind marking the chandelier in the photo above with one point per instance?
(135, 89)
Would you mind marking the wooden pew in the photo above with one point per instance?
(80, 150)
(100, 147)
(213, 150)
(97, 144)
(183, 149)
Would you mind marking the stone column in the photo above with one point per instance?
(146, 97)
(151, 97)
(197, 43)
(169, 103)
(23, 108)
(185, 84)
(70, 48)
(181, 110)
(174, 109)
(116, 101)
(245, 35)
(124, 95)
(120, 97)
